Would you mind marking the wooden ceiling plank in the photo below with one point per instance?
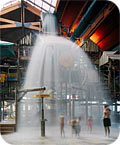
(12, 5)
(34, 27)
(7, 21)
(7, 26)
(9, 10)
(34, 11)
(33, 23)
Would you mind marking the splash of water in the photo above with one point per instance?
(64, 69)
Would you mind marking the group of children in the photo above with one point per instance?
(75, 125)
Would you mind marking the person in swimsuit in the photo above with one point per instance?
(106, 120)
(62, 132)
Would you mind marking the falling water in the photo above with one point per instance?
(69, 76)
(64, 69)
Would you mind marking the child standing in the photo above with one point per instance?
(62, 132)
(73, 125)
(78, 127)
(90, 123)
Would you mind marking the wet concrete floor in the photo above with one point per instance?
(53, 137)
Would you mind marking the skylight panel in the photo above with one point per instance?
(39, 2)
(49, 1)
(46, 6)
(54, 2)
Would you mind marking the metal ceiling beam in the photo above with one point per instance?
(89, 17)
(85, 4)
(99, 20)
(64, 10)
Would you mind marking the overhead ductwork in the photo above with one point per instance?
(89, 17)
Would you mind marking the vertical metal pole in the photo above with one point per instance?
(99, 110)
(87, 104)
(43, 120)
(0, 110)
(73, 108)
(22, 16)
(17, 88)
(42, 108)
(66, 98)
(3, 107)
(16, 110)
(70, 94)
(114, 89)
(109, 75)
(61, 96)
(114, 81)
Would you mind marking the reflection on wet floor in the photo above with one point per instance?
(53, 137)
